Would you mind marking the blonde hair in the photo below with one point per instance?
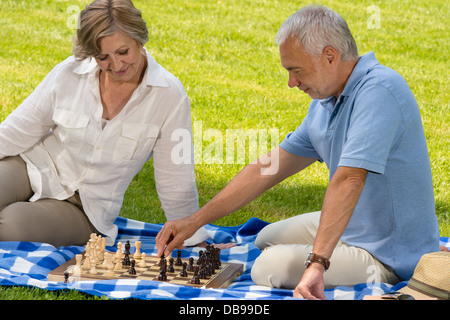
(103, 18)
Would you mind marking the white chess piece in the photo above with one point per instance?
(109, 265)
(142, 263)
(119, 251)
(93, 268)
(77, 269)
(87, 255)
(137, 253)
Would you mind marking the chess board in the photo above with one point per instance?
(222, 277)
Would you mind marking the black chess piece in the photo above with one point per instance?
(132, 269)
(162, 270)
(190, 266)
(206, 267)
(195, 279)
(127, 247)
(171, 268)
(126, 259)
(183, 272)
(179, 262)
(200, 256)
(211, 268)
(208, 250)
(217, 258)
(162, 276)
(202, 272)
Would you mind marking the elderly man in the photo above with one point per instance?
(378, 215)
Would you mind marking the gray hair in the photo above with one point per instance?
(103, 18)
(318, 27)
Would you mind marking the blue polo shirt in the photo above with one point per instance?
(375, 124)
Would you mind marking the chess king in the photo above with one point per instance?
(365, 124)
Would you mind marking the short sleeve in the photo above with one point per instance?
(298, 142)
(375, 126)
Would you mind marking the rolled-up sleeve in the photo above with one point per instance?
(173, 160)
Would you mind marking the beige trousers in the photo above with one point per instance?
(286, 244)
(60, 223)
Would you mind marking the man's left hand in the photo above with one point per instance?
(311, 286)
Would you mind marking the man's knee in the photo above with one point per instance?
(263, 238)
(279, 266)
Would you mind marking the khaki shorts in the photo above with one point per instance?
(57, 222)
(286, 244)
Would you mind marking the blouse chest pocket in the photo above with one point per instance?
(135, 141)
(71, 126)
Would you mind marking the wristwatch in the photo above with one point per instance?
(312, 257)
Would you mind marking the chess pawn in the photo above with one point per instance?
(109, 265)
(106, 258)
(142, 263)
(118, 265)
(183, 272)
(93, 268)
(171, 268)
(190, 267)
(110, 272)
(77, 269)
(132, 269)
(119, 250)
(195, 279)
(179, 262)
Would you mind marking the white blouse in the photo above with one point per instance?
(59, 133)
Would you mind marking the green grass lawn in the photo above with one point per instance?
(224, 54)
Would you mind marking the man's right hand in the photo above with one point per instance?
(173, 234)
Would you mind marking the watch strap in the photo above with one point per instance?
(312, 257)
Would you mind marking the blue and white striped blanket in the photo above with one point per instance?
(28, 264)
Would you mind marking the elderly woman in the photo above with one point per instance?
(70, 150)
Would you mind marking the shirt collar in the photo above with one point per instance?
(155, 74)
(363, 65)
(328, 103)
(365, 62)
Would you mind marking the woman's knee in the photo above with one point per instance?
(12, 221)
(14, 181)
(56, 222)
